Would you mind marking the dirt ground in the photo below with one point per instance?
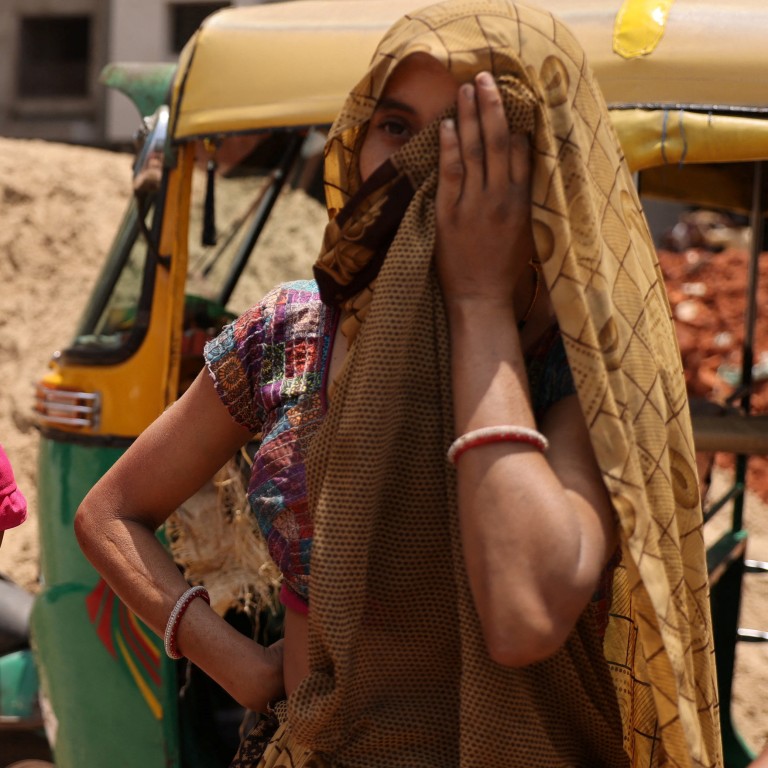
(60, 207)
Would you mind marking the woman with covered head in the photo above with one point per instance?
(477, 469)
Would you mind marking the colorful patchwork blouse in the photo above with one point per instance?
(269, 369)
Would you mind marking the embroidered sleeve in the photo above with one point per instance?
(235, 359)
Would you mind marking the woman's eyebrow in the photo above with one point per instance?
(387, 102)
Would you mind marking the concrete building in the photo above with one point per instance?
(52, 51)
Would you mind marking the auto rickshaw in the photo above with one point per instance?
(247, 106)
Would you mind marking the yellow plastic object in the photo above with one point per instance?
(639, 27)
(674, 136)
(711, 53)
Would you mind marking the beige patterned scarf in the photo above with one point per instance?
(399, 673)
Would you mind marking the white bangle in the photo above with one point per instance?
(172, 627)
(487, 435)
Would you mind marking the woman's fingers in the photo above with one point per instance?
(478, 155)
(492, 157)
(451, 170)
(471, 138)
(494, 130)
(483, 198)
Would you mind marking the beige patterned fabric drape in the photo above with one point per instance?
(395, 649)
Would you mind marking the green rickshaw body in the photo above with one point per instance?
(112, 668)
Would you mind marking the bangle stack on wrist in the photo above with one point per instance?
(172, 627)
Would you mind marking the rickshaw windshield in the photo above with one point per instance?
(237, 182)
(111, 325)
(112, 313)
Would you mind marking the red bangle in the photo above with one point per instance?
(172, 627)
(487, 435)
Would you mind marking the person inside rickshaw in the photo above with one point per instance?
(476, 472)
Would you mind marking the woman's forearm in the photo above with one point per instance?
(116, 523)
(139, 569)
(133, 562)
(533, 548)
(488, 367)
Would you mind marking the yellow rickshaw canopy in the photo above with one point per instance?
(685, 79)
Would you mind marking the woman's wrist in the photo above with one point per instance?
(177, 615)
(220, 651)
(470, 311)
(490, 383)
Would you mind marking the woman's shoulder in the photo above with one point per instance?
(288, 310)
(295, 295)
(295, 291)
(282, 337)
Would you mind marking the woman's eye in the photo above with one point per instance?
(395, 127)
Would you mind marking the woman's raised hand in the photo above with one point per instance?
(484, 232)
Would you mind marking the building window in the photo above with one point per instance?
(186, 18)
(54, 57)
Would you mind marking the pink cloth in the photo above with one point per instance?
(293, 601)
(13, 505)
